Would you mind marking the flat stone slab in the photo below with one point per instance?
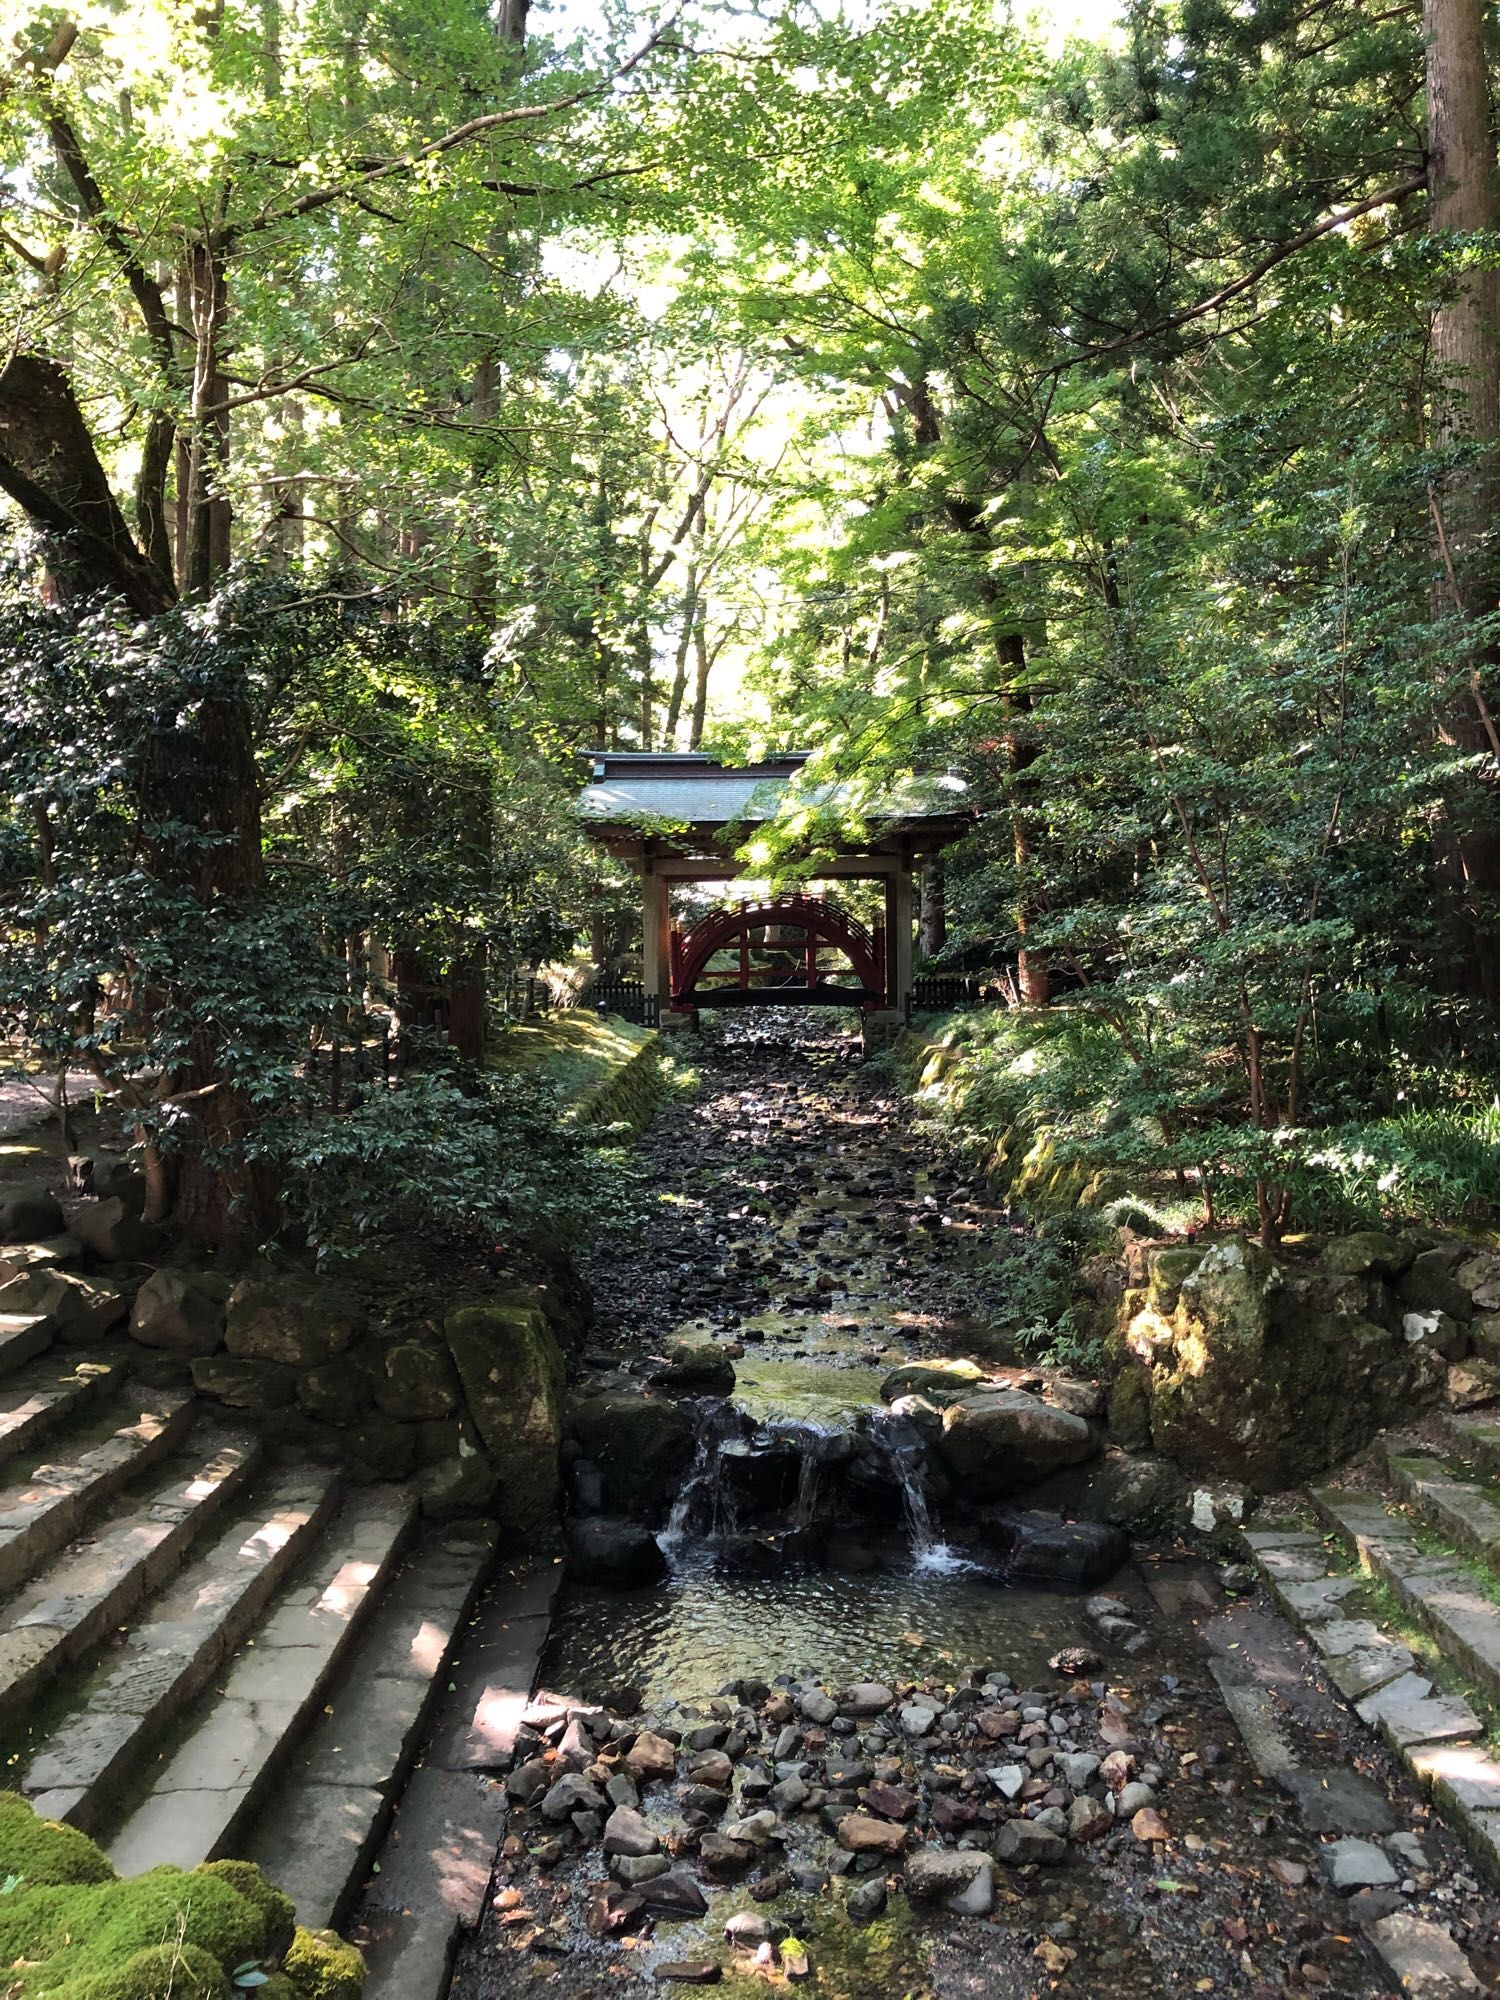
(1338, 1800)
(23, 1336)
(1463, 1774)
(1408, 1712)
(1281, 1538)
(1454, 1506)
(251, 1724)
(167, 1660)
(72, 1605)
(1362, 1518)
(1321, 1599)
(1369, 1668)
(40, 1516)
(434, 1876)
(1465, 1621)
(1284, 1565)
(35, 1401)
(1255, 1719)
(1358, 1864)
(333, 1805)
(1425, 1960)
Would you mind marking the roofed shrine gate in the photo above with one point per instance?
(790, 950)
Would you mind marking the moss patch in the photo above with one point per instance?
(71, 1929)
(576, 1051)
(322, 1967)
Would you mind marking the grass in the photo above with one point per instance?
(575, 1051)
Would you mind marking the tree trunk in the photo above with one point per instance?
(1466, 413)
(208, 510)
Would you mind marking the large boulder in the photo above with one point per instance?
(294, 1322)
(79, 1309)
(455, 1487)
(641, 1445)
(244, 1385)
(29, 1215)
(620, 1553)
(182, 1311)
(1044, 1548)
(512, 1371)
(994, 1443)
(416, 1383)
(1432, 1284)
(1367, 1253)
(1133, 1490)
(114, 1231)
(1266, 1376)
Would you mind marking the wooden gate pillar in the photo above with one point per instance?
(656, 946)
(898, 937)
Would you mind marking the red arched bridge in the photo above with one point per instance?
(790, 951)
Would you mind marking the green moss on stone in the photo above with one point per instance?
(43, 1852)
(165, 1972)
(278, 1913)
(321, 1966)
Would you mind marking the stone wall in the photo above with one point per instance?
(1267, 1369)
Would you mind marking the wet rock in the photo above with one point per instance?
(512, 1372)
(723, 1858)
(1357, 1864)
(817, 1707)
(1088, 1820)
(688, 1972)
(866, 1698)
(935, 1874)
(997, 1442)
(935, 1382)
(862, 1834)
(700, 1366)
(891, 1801)
(616, 1552)
(675, 1895)
(572, 1793)
(635, 1869)
(866, 1900)
(1045, 1548)
(641, 1444)
(1023, 1841)
(651, 1756)
(626, 1832)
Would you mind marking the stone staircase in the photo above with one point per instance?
(206, 1650)
(1395, 1582)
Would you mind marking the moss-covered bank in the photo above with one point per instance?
(71, 1929)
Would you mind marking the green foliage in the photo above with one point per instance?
(1026, 1289)
(487, 1157)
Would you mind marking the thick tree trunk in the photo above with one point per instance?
(1466, 413)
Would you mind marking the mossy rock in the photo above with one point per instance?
(416, 1383)
(1169, 1271)
(165, 1972)
(641, 1444)
(938, 1382)
(1367, 1252)
(322, 1966)
(71, 1935)
(336, 1392)
(45, 1853)
(513, 1372)
(277, 1911)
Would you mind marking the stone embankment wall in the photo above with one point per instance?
(1230, 1363)
(467, 1404)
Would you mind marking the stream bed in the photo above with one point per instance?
(824, 1644)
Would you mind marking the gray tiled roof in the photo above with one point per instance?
(694, 791)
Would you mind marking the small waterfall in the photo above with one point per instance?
(704, 1506)
(905, 1452)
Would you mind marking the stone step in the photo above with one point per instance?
(23, 1336)
(1453, 1507)
(1440, 1591)
(44, 1512)
(69, 1607)
(235, 1744)
(318, 1834)
(1477, 1438)
(169, 1659)
(38, 1398)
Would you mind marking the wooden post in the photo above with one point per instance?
(899, 931)
(656, 948)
